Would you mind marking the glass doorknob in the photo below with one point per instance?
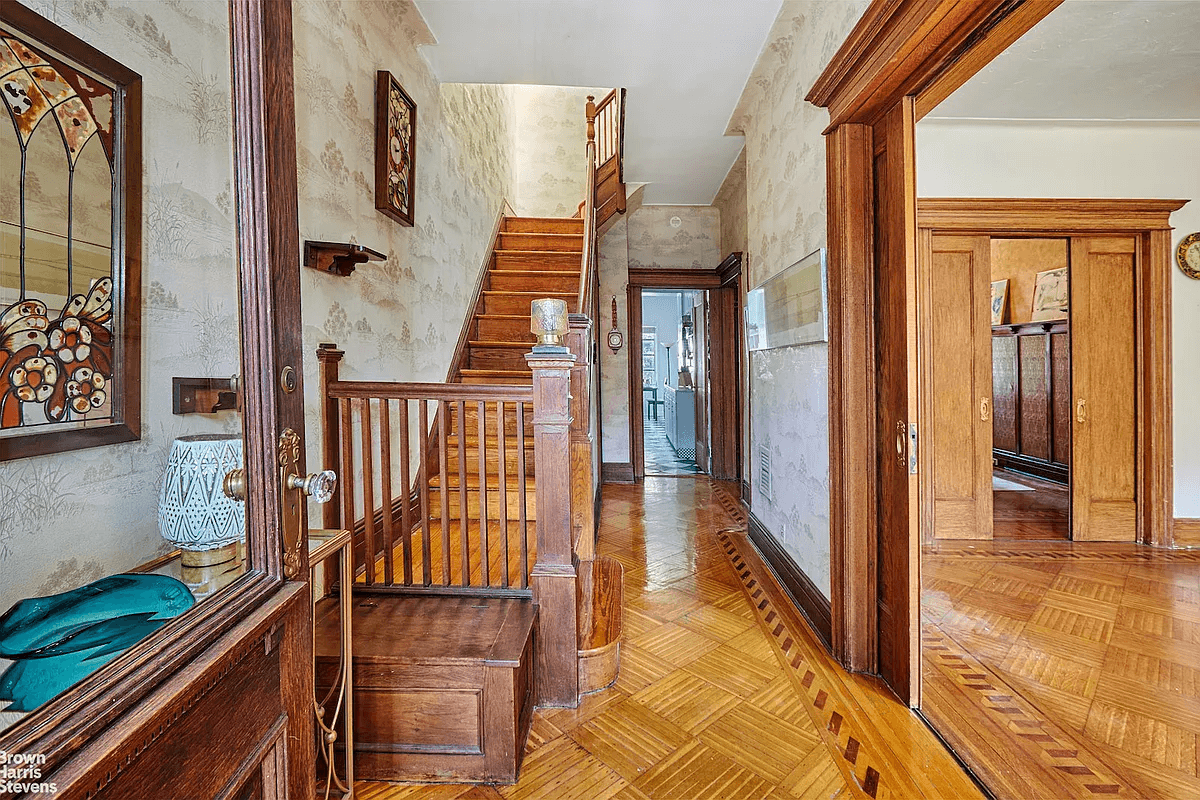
(318, 485)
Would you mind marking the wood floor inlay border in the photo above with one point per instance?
(1141, 554)
(856, 761)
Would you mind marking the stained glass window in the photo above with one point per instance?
(58, 193)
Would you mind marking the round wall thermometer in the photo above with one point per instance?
(1187, 255)
(615, 339)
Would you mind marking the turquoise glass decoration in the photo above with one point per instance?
(59, 640)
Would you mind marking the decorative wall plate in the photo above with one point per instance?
(1187, 255)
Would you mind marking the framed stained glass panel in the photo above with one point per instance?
(70, 221)
(395, 149)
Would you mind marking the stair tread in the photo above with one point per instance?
(536, 273)
(499, 343)
(548, 233)
(556, 253)
(498, 373)
(530, 294)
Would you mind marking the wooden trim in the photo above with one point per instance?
(730, 269)
(1187, 532)
(658, 278)
(1149, 221)
(454, 372)
(617, 472)
(852, 461)
(901, 48)
(637, 451)
(800, 588)
(1047, 470)
(1013, 215)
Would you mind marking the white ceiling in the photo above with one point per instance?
(684, 62)
(1093, 59)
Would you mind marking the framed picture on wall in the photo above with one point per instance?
(1000, 302)
(395, 149)
(789, 308)
(1051, 293)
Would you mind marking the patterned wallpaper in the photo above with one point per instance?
(550, 129)
(644, 238)
(785, 180)
(71, 518)
(731, 203)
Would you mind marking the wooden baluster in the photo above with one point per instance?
(443, 411)
(523, 499)
(503, 468)
(554, 576)
(368, 473)
(485, 571)
(463, 506)
(346, 470)
(385, 485)
(329, 357)
(423, 478)
(406, 526)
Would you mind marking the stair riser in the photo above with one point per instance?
(533, 283)
(558, 262)
(516, 304)
(516, 380)
(540, 242)
(472, 420)
(493, 504)
(493, 464)
(496, 358)
(543, 225)
(504, 330)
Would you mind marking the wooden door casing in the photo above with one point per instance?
(725, 383)
(897, 543)
(956, 338)
(1104, 473)
(701, 378)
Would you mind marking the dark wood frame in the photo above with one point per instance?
(132, 702)
(726, 274)
(923, 52)
(1149, 222)
(384, 81)
(126, 425)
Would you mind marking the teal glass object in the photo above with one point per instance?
(59, 640)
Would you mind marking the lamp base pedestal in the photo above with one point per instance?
(206, 572)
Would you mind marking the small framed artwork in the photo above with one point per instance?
(395, 149)
(1000, 302)
(1051, 295)
(647, 364)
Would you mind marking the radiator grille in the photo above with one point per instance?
(764, 471)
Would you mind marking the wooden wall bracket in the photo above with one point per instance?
(204, 395)
(338, 258)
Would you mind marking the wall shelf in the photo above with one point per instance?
(338, 258)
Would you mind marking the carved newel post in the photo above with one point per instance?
(553, 576)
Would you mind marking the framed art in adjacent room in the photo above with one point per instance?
(395, 149)
(1000, 302)
(1051, 295)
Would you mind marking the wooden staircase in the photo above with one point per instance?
(479, 593)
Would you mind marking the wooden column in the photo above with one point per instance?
(583, 488)
(553, 575)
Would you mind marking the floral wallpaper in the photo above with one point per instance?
(551, 148)
(397, 319)
(785, 198)
(731, 203)
(643, 238)
(71, 518)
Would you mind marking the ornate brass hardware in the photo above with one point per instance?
(901, 432)
(1081, 411)
(289, 465)
(985, 410)
(234, 485)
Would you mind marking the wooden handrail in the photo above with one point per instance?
(589, 208)
(451, 392)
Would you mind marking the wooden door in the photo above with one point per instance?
(1103, 389)
(700, 376)
(957, 331)
(897, 543)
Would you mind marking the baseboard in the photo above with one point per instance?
(616, 472)
(746, 494)
(800, 588)
(1187, 532)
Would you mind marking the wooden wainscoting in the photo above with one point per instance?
(1187, 532)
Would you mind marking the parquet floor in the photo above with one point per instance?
(723, 692)
(1043, 513)
(1066, 670)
